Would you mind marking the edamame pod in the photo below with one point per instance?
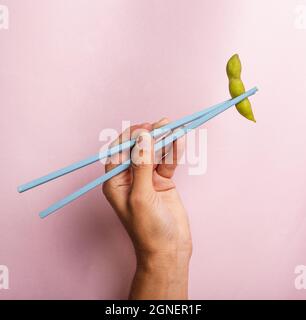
(236, 87)
(245, 109)
(233, 67)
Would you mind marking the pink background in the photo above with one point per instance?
(69, 69)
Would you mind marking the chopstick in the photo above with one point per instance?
(192, 123)
(126, 145)
(107, 153)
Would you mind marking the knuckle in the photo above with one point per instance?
(105, 188)
(108, 188)
(135, 199)
(138, 199)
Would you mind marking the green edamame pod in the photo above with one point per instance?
(245, 109)
(236, 87)
(233, 67)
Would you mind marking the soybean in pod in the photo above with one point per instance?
(236, 87)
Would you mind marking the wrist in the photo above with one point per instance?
(163, 275)
(174, 253)
(163, 260)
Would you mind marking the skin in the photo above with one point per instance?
(147, 203)
(236, 87)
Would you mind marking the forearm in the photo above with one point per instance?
(161, 276)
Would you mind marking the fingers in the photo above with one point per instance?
(169, 162)
(142, 157)
(161, 152)
(120, 157)
(170, 155)
(160, 123)
(110, 187)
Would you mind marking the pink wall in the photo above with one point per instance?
(70, 68)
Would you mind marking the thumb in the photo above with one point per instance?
(142, 163)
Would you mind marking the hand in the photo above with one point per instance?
(147, 202)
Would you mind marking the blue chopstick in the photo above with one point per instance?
(107, 153)
(214, 111)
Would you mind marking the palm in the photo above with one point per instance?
(123, 184)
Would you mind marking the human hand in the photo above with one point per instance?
(148, 204)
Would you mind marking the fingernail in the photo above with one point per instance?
(164, 119)
(141, 153)
(144, 141)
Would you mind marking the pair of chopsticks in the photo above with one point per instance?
(185, 124)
